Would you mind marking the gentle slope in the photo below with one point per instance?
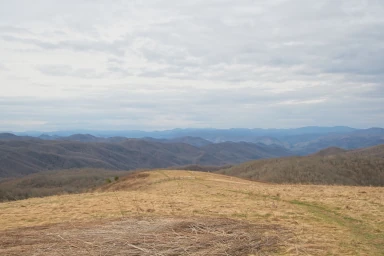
(160, 212)
(331, 166)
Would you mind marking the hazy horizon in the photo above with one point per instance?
(83, 131)
(155, 65)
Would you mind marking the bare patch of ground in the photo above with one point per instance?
(146, 236)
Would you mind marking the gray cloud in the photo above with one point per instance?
(2, 67)
(14, 30)
(168, 63)
(80, 46)
(66, 70)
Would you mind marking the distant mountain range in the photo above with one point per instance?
(25, 155)
(214, 135)
(300, 141)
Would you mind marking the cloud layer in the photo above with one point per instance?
(166, 63)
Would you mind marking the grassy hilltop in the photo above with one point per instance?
(169, 212)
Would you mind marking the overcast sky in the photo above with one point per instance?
(161, 64)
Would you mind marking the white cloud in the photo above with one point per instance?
(165, 64)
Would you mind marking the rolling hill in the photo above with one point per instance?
(330, 151)
(173, 212)
(331, 166)
(25, 156)
(55, 182)
(194, 141)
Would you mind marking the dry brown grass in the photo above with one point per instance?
(322, 220)
(148, 236)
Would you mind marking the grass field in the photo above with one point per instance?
(194, 213)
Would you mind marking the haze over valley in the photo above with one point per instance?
(28, 154)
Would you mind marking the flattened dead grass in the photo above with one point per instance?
(324, 220)
(148, 236)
